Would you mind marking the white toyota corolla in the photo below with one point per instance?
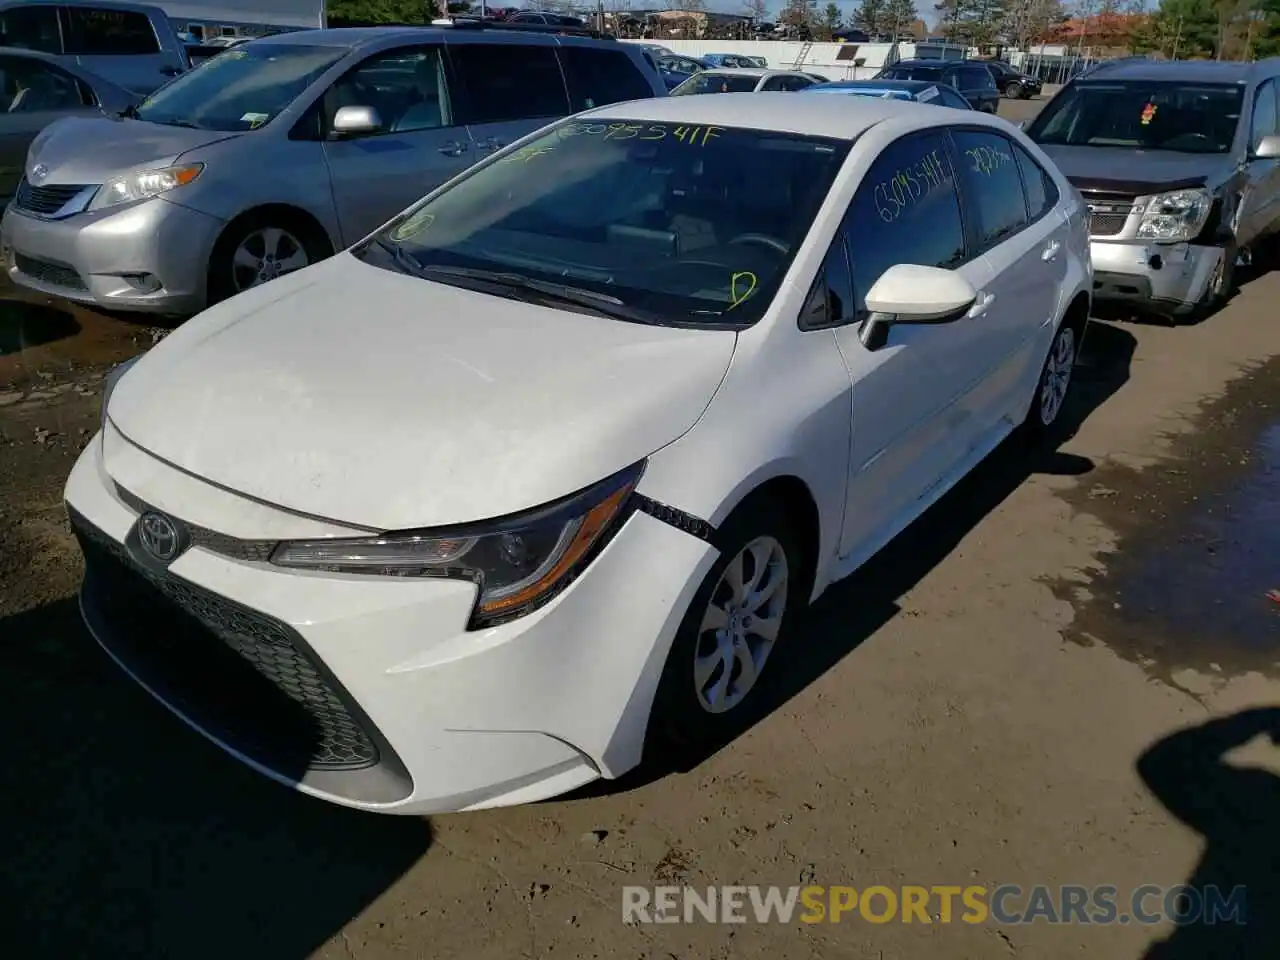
(546, 469)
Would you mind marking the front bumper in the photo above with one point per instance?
(369, 692)
(150, 256)
(1163, 277)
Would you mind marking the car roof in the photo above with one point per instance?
(758, 72)
(928, 62)
(363, 37)
(837, 117)
(911, 86)
(1222, 71)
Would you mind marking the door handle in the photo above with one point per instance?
(981, 304)
(1050, 251)
(454, 148)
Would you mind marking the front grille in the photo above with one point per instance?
(45, 200)
(1106, 224)
(46, 271)
(256, 551)
(242, 676)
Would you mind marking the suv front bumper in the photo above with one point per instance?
(1164, 277)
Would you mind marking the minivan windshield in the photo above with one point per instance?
(1142, 114)
(651, 222)
(717, 83)
(241, 89)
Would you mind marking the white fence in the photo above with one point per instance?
(835, 61)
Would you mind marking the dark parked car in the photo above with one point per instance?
(1013, 83)
(971, 78)
(937, 94)
(676, 69)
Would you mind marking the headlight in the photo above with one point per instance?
(518, 563)
(109, 384)
(1175, 216)
(147, 183)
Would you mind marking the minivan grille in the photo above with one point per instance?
(45, 200)
(55, 274)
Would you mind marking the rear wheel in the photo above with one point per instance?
(1054, 385)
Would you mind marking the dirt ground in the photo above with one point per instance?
(982, 705)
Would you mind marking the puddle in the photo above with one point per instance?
(1199, 544)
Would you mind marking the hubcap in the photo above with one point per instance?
(1057, 375)
(740, 625)
(264, 255)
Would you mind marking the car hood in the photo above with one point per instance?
(95, 149)
(376, 399)
(1138, 172)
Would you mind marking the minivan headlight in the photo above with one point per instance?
(1176, 216)
(518, 563)
(144, 184)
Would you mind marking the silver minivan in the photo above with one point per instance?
(132, 45)
(280, 151)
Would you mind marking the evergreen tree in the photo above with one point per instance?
(869, 16)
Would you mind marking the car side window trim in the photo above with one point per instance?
(1051, 193)
(831, 284)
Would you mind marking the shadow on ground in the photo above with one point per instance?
(854, 609)
(1234, 809)
(25, 325)
(124, 834)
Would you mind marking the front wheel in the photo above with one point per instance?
(1014, 90)
(257, 250)
(724, 652)
(1055, 382)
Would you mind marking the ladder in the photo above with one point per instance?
(800, 57)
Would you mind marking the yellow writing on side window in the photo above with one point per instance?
(908, 185)
(987, 160)
(741, 285)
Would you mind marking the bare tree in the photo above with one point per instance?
(1029, 22)
(757, 10)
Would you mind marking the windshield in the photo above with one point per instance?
(884, 93)
(241, 89)
(912, 73)
(677, 225)
(1143, 114)
(716, 83)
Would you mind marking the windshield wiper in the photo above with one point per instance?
(176, 123)
(130, 112)
(601, 303)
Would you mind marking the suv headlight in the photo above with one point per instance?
(144, 184)
(1175, 216)
(518, 563)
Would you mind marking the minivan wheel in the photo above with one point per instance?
(256, 250)
(1054, 385)
(726, 650)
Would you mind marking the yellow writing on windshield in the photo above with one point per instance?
(987, 160)
(525, 154)
(412, 226)
(690, 136)
(741, 285)
(908, 185)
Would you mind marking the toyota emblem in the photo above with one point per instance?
(159, 536)
(38, 173)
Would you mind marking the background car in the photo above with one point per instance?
(743, 80)
(546, 19)
(279, 151)
(920, 91)
(133, 45)
(676, 69)
(730, 60)
(643, 373)
(1013, 83)
(37, 89)
(973, 80)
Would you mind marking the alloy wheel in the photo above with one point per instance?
(740, 625)
(265, 254)
(1057, 375)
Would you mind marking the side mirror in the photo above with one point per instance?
(1268, 148)
(907, 293)
(353, 121)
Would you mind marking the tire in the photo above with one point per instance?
(281, 243)
(1054, 384)
(1013, 90)
(1217, 292)
(702, 702)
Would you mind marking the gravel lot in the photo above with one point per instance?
(970, 709)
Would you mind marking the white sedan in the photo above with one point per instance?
(544, 471)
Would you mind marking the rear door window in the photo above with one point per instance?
(598, 77)
(508, 81)
(96, 31)
(992, 186)
(976, 78)
(31, 28)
